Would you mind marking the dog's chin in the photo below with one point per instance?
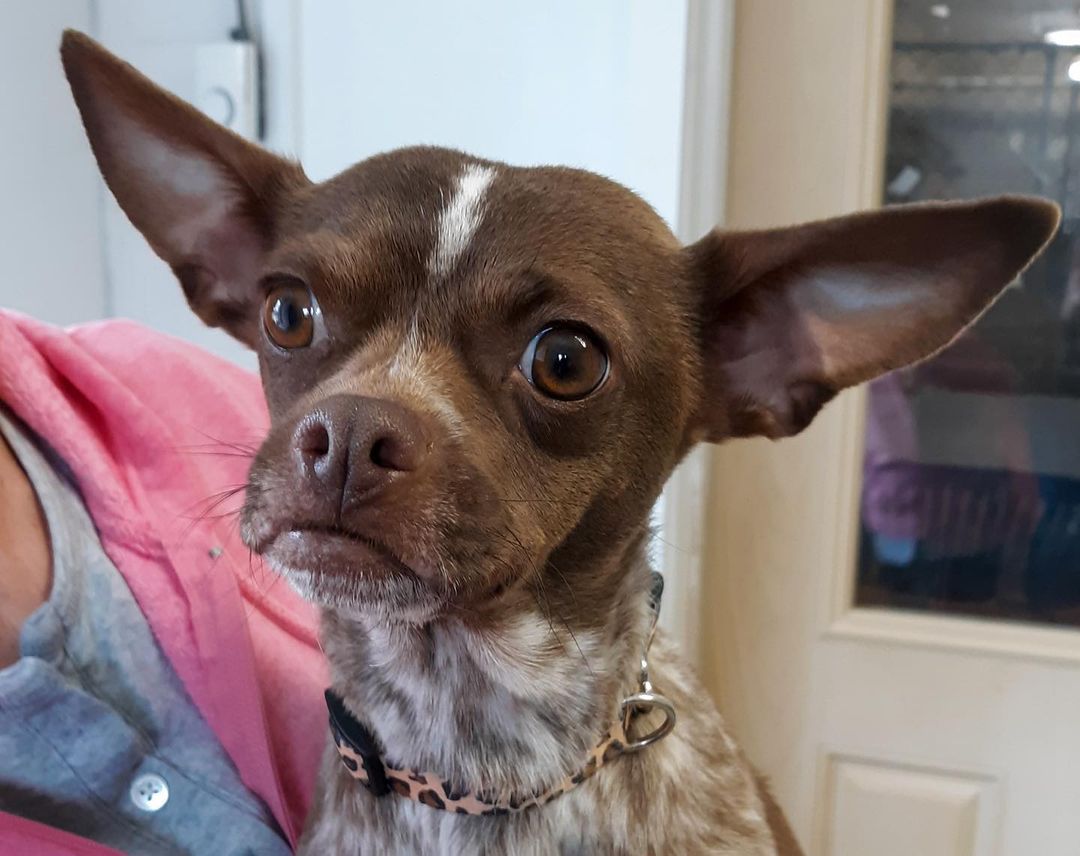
(336, 570)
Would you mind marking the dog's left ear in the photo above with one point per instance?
(206, 200)
(789, 317)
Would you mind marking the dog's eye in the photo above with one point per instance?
(564, 362)
(289, 315)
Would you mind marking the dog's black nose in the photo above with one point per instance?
(351, 447)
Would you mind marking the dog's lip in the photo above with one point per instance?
(329, 549)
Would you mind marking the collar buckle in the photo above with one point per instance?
(349, 733)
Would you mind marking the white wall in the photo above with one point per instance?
(595, 84)
(50, 238)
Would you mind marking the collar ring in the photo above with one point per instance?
(641, 703)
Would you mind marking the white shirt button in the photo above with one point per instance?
(149, 792)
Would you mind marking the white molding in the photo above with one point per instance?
(710, 27)
(277, 25)
(843, 552)
(710, 31)
(682, 517)
(862, 190)
(935, 631)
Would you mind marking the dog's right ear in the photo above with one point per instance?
(789, 317)
(203, 197)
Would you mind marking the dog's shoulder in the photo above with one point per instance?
(786, 843)
(711, 781)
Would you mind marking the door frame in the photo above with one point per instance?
(809, 96)
(710, 29)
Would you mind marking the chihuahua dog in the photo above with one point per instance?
(479, 377)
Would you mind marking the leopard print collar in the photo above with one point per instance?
(354, 744)
(359, 752)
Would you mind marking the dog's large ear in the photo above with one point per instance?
(791, 316)
(204, 198)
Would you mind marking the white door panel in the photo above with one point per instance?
(887, 809)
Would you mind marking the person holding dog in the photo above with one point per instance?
(159, 693)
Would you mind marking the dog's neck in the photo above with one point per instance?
(509, 704)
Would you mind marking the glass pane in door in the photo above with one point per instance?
(971, 494)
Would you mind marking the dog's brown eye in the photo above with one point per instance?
(564, 362)
(289, 315)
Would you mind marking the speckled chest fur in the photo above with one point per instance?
(518, 709)
(479, 378)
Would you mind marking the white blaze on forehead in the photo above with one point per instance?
(460, 218)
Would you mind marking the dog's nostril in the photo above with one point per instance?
(387, 454)
(354, 446)
(379, 456)
(390, 452)
(315, 441)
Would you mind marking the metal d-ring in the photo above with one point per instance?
(645, 702)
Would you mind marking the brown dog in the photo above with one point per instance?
(479, 378)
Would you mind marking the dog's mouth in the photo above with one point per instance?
(333, 565)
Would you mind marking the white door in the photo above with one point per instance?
(893, 625)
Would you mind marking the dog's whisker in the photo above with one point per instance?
(565, 581)
(210, 512)
(545, 610)
(222, 495)
(515, 542)
(562, 502)
(220, 453)
(235, 445)
(573, 637)
(654, 535)
(211, 504)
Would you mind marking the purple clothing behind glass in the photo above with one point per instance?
(949, 510)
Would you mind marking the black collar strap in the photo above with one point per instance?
(354, 734)
(359, 753)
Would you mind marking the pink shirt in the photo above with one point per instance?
(146, 423)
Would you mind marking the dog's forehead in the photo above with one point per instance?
(404, 184)
(417, 222)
